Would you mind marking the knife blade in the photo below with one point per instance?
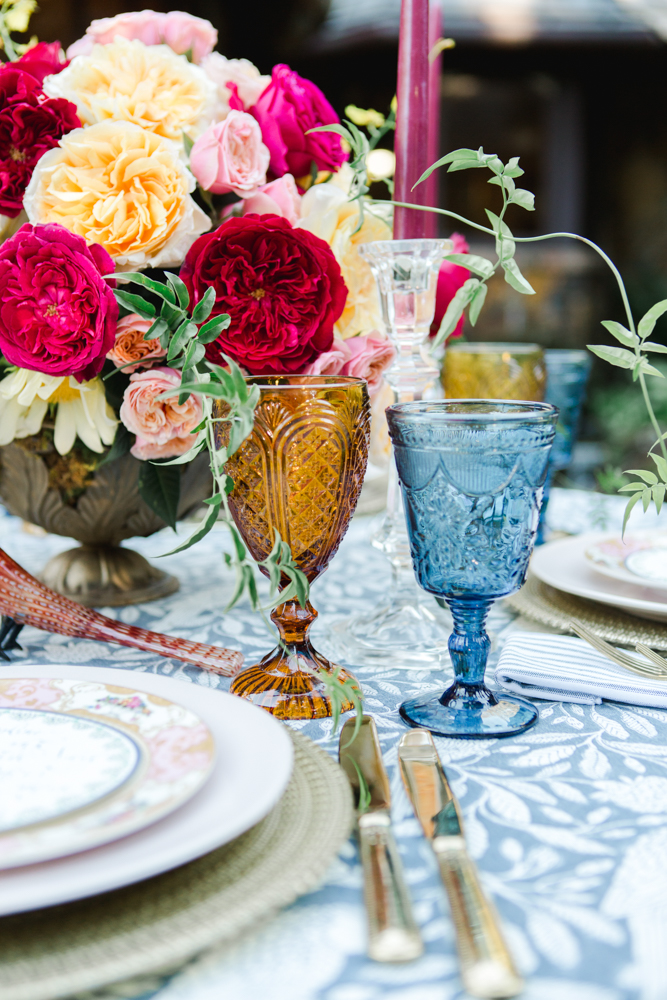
(487, 968)
(393, 935)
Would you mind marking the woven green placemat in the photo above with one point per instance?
(548, 606)
(157, 925)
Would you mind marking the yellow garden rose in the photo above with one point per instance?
(121, 186)
(149, 85)
(326, 212)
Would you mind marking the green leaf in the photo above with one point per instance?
(646, 499)
(122, 443)
(620, 333)
(189, 455)
(172, 315)
(525, 199)
(495, 164)
(160, 487)
(513, 169)
(628, 510)
(504, 182)
(244, 579)
(186, 331)
(658, 493)
(135, 303)
(648, 477)
(648, 369)
(203, 309)
(455, 309)
(467, 158)
(505, 245)
(211, 331)
(476, 303)
(202, 530)
(188, 143)
(337, 129)
(156, 330)
(650, 345)
(478, 265)
(614, 355)
(179, 288)
(514, 277)
(649, 319)
(158, 287)
(661, 466)
(194, 354)
(630, 487)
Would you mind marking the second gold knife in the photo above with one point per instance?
(487, 968)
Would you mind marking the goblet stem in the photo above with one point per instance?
(285, 682)
(469, 643)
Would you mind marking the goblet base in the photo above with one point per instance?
(470, 712)
(285, 681)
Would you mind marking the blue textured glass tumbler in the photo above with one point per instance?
(472, 474)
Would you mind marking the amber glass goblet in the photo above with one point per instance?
(299, 472)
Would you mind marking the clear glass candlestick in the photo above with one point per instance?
(407, 628)
(472, 474)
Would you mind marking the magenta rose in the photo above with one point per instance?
(43, 59)
(230, 156)
(30, 124)
(281, 286)
(450, 279)
(57, 313)
(286, 110)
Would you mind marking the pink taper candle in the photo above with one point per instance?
(411, 143)
(435, 68)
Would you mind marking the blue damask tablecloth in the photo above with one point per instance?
(568, 823)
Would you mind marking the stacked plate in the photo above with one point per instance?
(110, 778)
(626, 573)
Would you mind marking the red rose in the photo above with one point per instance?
(285, 110)
(30, 124)
(42, 60)
(281, 286)
(57, 313)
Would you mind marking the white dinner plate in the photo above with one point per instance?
(563, 564)
(252, 768)
(87, 763)
(639, 559)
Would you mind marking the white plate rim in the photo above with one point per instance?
(254, 753)
(593, 588)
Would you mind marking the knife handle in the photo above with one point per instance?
(393, 935)
(487, 968)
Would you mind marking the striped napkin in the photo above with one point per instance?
(561, 668)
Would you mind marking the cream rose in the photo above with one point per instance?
(149, 85)
(121, 186)
(244, 77)
(231, 156)
(326, 212)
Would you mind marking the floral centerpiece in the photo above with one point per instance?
(142, 151)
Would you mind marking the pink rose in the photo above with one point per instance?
(162, 426)
(238, 77)
(182, 32)
(230, 156)
(450, 279)
(185, 33)
(130, 345)
(370, 357)
(280, 197)
(330, 362)
(43, 59)
(286, 110)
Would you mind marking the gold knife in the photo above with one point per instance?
(393, 935)
(487, 968)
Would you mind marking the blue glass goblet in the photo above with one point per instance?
(472, 473)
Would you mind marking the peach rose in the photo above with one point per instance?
(370, 356)
(162, 426)
(231, 156)
(131, 346)
(280, 197)
(148, 85)
(181, 32)
(122, 186)
(247, 83)
(330, 362)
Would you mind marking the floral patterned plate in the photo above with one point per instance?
(97, 762)
(640, 558)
